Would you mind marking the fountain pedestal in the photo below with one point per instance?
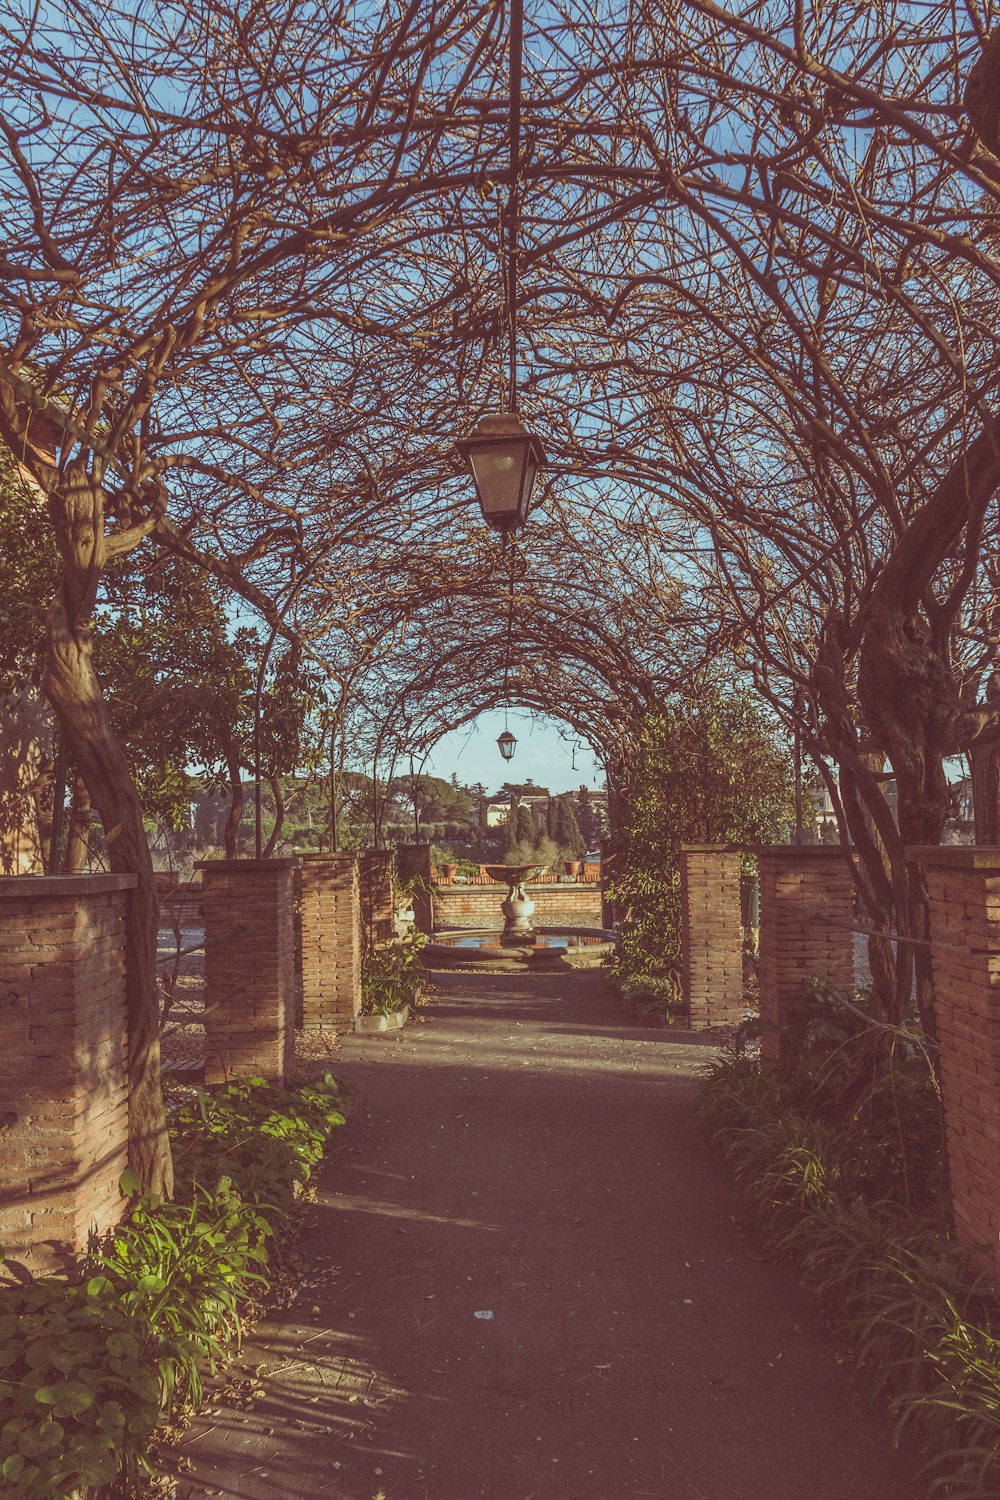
(518, 907)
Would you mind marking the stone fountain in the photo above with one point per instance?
(518, 907)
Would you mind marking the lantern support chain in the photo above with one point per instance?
(516, 44)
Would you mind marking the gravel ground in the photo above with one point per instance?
(862, 973)
(181, 961)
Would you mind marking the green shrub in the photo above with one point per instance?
(901, 1290)
(708, 770)
(875, 1085)
(264, 1139)
(650, 997)
(392, 976)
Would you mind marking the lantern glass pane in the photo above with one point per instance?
(530, 470)
(497, 470)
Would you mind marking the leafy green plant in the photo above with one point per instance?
(79, 1393)
(651, 998)
(876, 1085)
(184, 1269)
(392, 976)
(263, 1138)
(89, 1365)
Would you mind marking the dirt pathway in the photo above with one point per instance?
(523, 1281)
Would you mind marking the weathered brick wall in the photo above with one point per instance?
(377, 872)
(63, 1064)
(457, 903)
(331, 940)
(250, 968)
(806, 909)
(963, 887)
(711, 935)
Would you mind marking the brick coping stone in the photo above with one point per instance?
(316, 856)
(800, 851)
(246, 864)
(27, 887)
(712, 848)
(972, 856)
(784, 851)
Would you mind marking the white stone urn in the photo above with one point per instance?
(404, 918)
(518, 907)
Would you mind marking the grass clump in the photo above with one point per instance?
(846, 1183)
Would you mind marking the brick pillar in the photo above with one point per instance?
(250, 980)
(331, 940)
(963, 889)
(63, 1064)
(377, 874)
(806, 907)
(712, 935)
(415, 859)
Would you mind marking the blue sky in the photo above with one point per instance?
(542, 755)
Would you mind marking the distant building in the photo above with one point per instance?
(958, 829)
(497, 812)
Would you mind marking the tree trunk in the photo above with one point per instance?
(982, 94)
(72, 687)
(26, 770)
(985, 764)
(42, 794)
(274, 782)
(910, 698)
(78, 838)
(879, 866)
(235, 817)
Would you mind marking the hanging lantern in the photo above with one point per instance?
(507, 744)
(504, 458)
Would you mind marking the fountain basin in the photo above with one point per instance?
(583, 947)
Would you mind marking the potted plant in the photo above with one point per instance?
(449, 871)
(392, 978)
(573, 867)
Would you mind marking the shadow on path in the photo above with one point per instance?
(522, 1281)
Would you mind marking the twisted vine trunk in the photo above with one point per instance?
(78, 836)
(907, 685)
(235, 815)
(274, 782)
(74, 691)
(985, 765)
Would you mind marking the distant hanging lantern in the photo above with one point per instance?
(504, 458)
(507, 744)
